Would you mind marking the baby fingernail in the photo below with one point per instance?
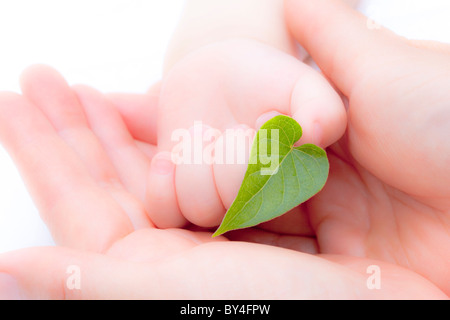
(9, 289)
(162, 163)
(266, 117)
(317, 134)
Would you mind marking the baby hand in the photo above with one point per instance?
(229, 85)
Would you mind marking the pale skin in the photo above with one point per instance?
(387, 201)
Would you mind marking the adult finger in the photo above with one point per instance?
(122, 150)
(138, 112)
(48, 90)
(67, 197)
(95, 131)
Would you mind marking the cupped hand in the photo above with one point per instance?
(388, 195)
(80, 163)
(72, 143)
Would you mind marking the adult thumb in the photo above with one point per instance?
(391, 83)
(345, 44)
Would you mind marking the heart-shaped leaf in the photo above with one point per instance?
(279, 176)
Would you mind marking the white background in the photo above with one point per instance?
(119, 45)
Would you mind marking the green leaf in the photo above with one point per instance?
(279, 176)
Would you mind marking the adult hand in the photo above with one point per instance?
(152, 263)
(388, 196)
(74, 152)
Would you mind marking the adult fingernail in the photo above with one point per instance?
(162, 163)
(9, 289)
